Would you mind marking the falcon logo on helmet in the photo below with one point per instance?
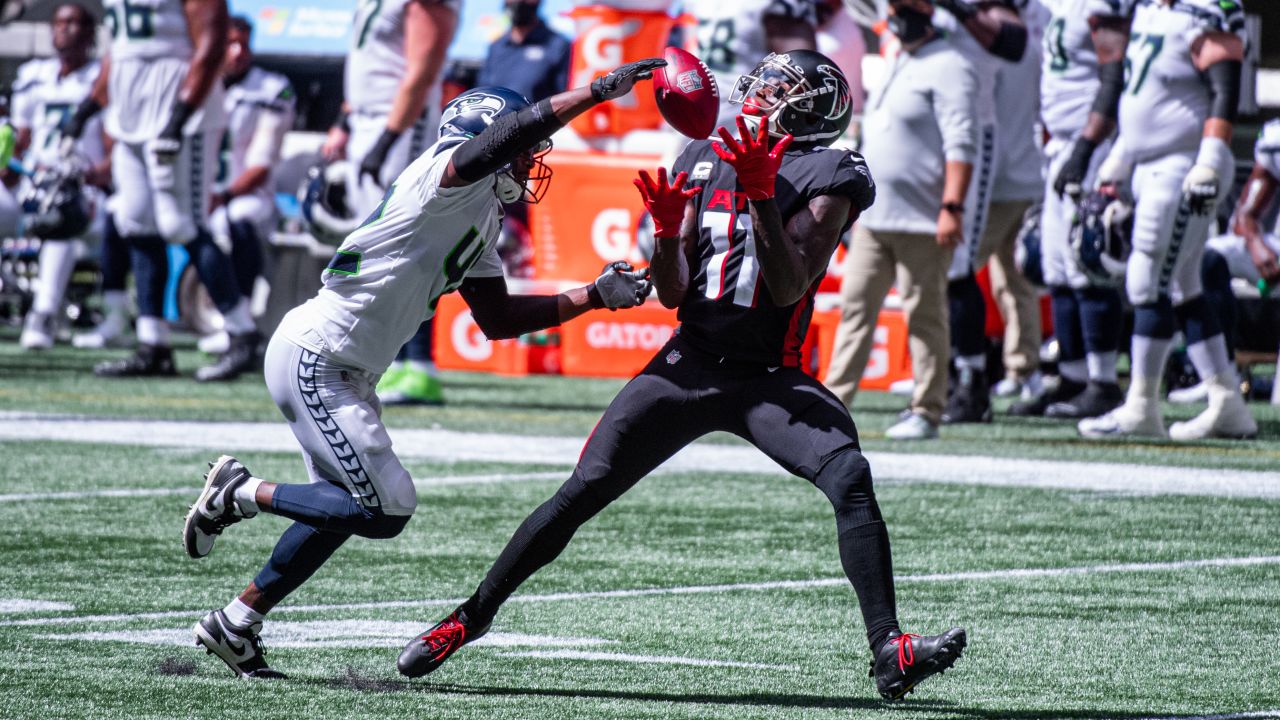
(471, 112)
(803, 94)
(1101, 237)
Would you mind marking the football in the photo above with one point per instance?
(687, 94)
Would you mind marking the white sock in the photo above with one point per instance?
(1102, 366)
(1148, 356)
(1209, 356)
(241, 615)
(423, 366)
(57, 260)
(1077, 371)
(153, 331)
(240, 320)
(246, 495)
(116, 305)
(977, 363)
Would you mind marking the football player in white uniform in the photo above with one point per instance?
(435, 232)
(393, 79)
(1252, 251)
(1176, 117)
(1081, 80)
(165, 114)
(260, 110)
(733, 36)
(44, 94)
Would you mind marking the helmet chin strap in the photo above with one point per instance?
(509, 189)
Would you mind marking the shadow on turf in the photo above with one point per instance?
(352, 679)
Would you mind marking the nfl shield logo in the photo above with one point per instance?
(688, 81)
(673, 357)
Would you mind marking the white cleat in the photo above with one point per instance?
(913, 427)
(1139, 418)
(105, 335)
(1197, 393)
(216, 507)
(1226, 417)
(37, 332)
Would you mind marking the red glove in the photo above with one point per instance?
(664, 202)
(757, 166)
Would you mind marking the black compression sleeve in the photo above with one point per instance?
(1224, 86)
(1011, 42)
(501, 315)
(504, 141)
(1107, 103)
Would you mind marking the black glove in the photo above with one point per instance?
(620, 80)
(168, 143)
(373, 161)
(73, 125)
(620, 286)
(962, 9)
(1070, 180)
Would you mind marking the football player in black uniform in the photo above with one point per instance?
(740, 252)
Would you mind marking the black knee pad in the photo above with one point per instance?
(845, 478)
(384, 527)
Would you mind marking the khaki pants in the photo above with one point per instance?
(920, 266)
(1017, 299)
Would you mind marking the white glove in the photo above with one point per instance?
(621, 286)
(1203, 182)
(1115, 170)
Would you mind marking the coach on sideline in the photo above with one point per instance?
(927, 104)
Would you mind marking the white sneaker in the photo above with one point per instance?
(1226, 417)
(1135, 418)
(1007, 387)
(1197, 393)
(1033, 387)
(903, 387)
(913, 427)
(37, 332)
(215, 343)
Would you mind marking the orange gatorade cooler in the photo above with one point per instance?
(606, 38)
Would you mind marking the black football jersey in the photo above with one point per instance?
(728, 311)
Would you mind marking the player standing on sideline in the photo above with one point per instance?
(165, 115)
(435, 232)
(1176, 117)
(1082, 78)
(742, 264)
(44, 94)
(393, 79)
(260, 110)
(732, 36)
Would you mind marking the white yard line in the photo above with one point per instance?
(977, 575)
(193, 490)
(453, 446)
(1230, 716)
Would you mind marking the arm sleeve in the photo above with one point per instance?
(956, 109)
(502, 315)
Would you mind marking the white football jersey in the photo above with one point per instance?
(1166, 99)
(388, 275)
(731, 39)
(260, 110)
(42, 101)
(1267, 152)
(376, 61)
(988, 65)
(1069, 71)
(147, 29)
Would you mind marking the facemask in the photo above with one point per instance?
(909, 25)
(522, 14)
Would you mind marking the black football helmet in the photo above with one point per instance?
(803, 94)
(56, 208)
(1027, 255)
(1102, 236)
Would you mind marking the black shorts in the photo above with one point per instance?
(685, 393)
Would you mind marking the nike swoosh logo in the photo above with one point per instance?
(241, 648)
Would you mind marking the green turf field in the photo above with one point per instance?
(701, 594)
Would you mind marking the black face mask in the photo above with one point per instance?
(909, 25)
(522, 14)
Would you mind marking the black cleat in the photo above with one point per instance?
(1036, 407)
(240, 648)
(970, 401)
(146, 361)
(1097, 399)
(216, 507)
(904, 661)
(428, 651)
(240, 357)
